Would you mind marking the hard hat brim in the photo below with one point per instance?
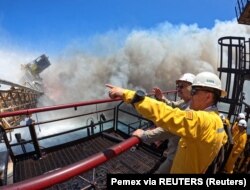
(223, 93)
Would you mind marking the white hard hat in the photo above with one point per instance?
(242, 123)
(241, 116)
(187, 77)
(209, 80)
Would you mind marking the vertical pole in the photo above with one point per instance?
(88, 131)
(34, 137)
(7, 142)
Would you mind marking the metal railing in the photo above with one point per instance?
(32, 126)
(65, 173)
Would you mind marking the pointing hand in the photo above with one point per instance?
(115, 91)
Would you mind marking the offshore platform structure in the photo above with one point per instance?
(234, 66)
(234, 70)
(25, 95)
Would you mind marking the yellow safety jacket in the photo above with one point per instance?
(235, 128)
(202, 133)
(227, 123)
(239, 139)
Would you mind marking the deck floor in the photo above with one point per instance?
(138, 161)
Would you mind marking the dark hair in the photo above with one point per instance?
(217, 94)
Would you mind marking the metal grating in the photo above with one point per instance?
(139, 160)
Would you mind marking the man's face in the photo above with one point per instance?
(200, 97)
(241, 128)
(183, 91)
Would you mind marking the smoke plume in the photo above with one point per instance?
(131, 59)
(144, 59)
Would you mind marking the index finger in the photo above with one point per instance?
(109, 86)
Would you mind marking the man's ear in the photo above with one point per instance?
(210, 96)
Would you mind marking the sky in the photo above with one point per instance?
(50, 25)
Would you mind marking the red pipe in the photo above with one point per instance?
(164, 92)
(64, 106)
(57, 107)
(65, 173)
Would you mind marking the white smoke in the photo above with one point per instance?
(131, 59)
(144, 59)
(10, 63)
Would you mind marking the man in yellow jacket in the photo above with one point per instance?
(201, 129)
(239, 139)
(235, 127)
(184, 92)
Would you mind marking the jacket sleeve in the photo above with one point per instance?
(173, 104)
(240, 145)
(156, 134)
(184, 123)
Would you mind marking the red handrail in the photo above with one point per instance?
(164, 92)
(65, 106)
(65, 173)
(56, 107)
